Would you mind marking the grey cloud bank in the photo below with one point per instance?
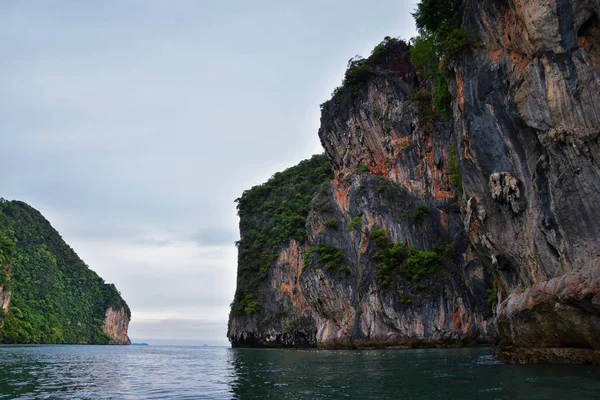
(133, 125)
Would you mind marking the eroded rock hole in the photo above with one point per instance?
(590, 27)
(588, 38)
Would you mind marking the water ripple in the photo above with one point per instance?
(104, 372)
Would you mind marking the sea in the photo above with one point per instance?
(167, 372)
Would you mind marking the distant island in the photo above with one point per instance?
(139, 344)
(47, 293)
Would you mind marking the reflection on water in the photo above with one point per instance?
(405, 374)
(103, 372)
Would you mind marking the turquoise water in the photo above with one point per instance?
(103, 372)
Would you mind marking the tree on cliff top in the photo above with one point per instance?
(437, 16)
(440, 38)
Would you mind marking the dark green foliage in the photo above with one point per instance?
(455, 42)
(420, 213)
(290, 327)
(390, 260)
(271, 215)
(362, 169)
(420, 97)
(455, 174)
(331, 223)
(321, 203)
(379, 238)
(56, 297)
(354, 223)
(445, 250)
(358, 74)
(394, 258)
(406, 299)
(424, 56)
(267, 319)
(245, 303)
(7, 250)
(329, 256)
(440, 38)
(438, 15)
(420, 263)
(442, 100)
(361, 70)
(380, 188)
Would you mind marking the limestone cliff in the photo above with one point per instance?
(391, 180)
(7, 249)
(527, 123)
(116, 323)
(392, 177)
(479, 227)
(5, 295)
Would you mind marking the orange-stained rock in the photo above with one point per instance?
(116, 323)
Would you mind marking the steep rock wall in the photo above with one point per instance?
(355, 308)
(407, 194)
(269, 308)
(391, 176)
(116, 323)
(285, 318)
(522, 224)
(5, 293)
(527, 122)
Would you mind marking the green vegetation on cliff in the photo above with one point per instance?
(440, 39)
(7, 249)
(398, 258)
(361, 70)
(56, 298)
(271, 215)
(455, 174)
(329, 256)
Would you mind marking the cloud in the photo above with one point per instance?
(132, 126)
(150, 242)
(215, 236)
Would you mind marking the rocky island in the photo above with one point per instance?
(47, 293)
(458, 200)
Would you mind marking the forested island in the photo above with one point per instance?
(457, 202)
(47, 293)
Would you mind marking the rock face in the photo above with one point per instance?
(269, 308)
(116, 323)
(285, 318)
(407, 194)
(392, 179)
(5, 293)
(527, 123)
(506, 194)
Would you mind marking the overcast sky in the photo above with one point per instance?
(133, 125)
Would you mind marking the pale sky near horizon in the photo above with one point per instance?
(132, 125)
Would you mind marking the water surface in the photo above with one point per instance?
(105, 372)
